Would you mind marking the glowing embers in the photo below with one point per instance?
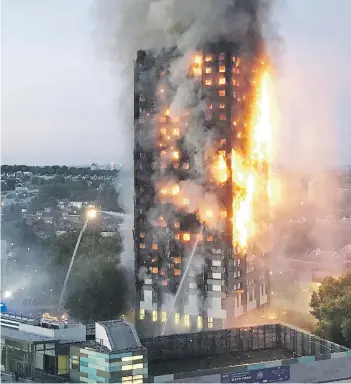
(220, 169)
(196, 67)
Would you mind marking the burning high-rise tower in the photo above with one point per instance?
(202, 146)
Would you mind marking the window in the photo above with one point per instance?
(221, 92)
(186, 201)
(142, 246)
(154, 270)
(132, 358)
(155, 247)
(154, 316)
(208, 58)
(163, 119)
(234, 82)
(221, 56)
(75, 362)
(175, 131)
(221, 68)
(208, 82)
(176, 260)
(163, 131)
(208, 70)
(222, 117)
(210, 322)
(186, 166)
(176, 318)
(222, 105)
(209, 238)
(142, 314)
(221, 81)
(142, 235)
(142, 98)
(210, 106)
(164, 317)
(187, 320)
(177, 272)
(186, 236)
(223, 214)
(223, 141)
(236, 71)
(199, 322)
(141, 120)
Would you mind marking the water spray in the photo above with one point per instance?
(183, 278)
(90, 216)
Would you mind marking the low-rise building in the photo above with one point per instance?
(35, 348)
(115, 356)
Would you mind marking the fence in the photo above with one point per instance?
(246, 339)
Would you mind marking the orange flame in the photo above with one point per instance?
(197, 65)
(248, 176)
(220, 170)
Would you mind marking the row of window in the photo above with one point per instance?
(221, 69)
(221, 57)
(135, 379)
(222, 81)
(163, 317)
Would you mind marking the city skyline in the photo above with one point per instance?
(59, 94)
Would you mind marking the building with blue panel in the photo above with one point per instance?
(116, 356)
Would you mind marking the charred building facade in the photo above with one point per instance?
(222, 283)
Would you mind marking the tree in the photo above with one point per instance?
(98, 287)
(331, 306)
(108, 199)
(100, 293)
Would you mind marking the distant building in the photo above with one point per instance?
(94, 166)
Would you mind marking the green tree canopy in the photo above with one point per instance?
(100, 293)
(331, 306)
(98, 287)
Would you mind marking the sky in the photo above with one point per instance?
(59, 93)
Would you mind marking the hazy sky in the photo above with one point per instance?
(59, 96)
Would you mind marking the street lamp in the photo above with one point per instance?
(91, 214)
